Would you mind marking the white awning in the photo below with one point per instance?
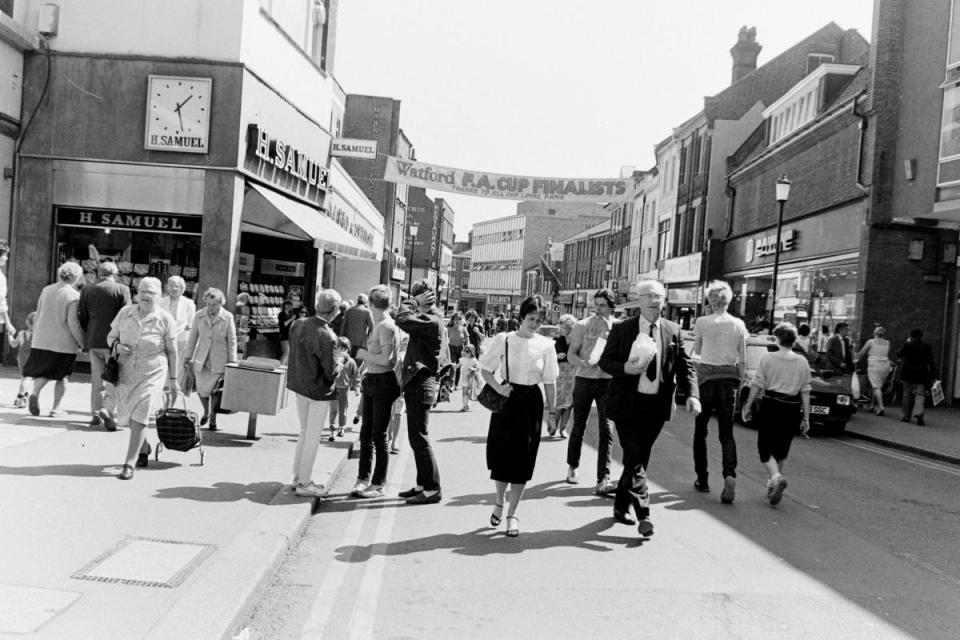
(269, 213)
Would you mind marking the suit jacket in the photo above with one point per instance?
(98, 306)
(838, 359)
(676, 368)
(918, 366)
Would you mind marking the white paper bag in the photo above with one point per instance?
(642, 351)
(597, 351)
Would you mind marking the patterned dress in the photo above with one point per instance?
(568, 372)
(143, 372)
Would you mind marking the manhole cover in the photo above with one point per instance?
(147, 562)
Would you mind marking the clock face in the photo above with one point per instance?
(178, 114)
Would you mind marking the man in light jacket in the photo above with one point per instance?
(312, 371)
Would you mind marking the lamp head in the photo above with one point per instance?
(783, 189)
(413, 229)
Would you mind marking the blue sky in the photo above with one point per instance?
(556, 87)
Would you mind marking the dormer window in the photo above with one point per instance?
(814, 60)
(802, 103)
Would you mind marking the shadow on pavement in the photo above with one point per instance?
(78, 470)
(470, 439)
(224, 439)
(258, 492)
(488, 541)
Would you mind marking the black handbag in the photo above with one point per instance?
(489, 397)
(111, 370)
(178, 429)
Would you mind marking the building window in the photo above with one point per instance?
(950, 124)
(683, 163)
(551, 212)
(663, 239)
(814, 60)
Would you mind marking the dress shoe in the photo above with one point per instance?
(423, 498)
(203, 419)
(409, 493)
(572, 476)
(645, 528)
(701, 486)
(624, 517)
(144, 458)
(33, 402)
(94, 421)
(779, 484)
(729, 490)
(106, 419)
(126, 472)
(920, 422)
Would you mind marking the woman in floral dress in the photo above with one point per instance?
(568, 372)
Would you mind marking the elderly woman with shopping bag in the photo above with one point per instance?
(211, 345)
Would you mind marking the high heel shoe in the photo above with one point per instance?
(144, 458)
(513, 530)
(495, 517)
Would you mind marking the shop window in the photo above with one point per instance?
(138, 252)
(950, 123)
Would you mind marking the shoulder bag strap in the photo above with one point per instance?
(506, 357)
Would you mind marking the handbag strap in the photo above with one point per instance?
(506, 357)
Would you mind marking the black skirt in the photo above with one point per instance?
(778, 420)
(514, 436)
(51, 365)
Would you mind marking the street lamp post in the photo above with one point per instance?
(783, 194)
(576, 300)
(412, 228)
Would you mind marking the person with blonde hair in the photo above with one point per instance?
(567, 376)
(182, 308)
(57, 336)
(721, 341)
(877, 351)
(146, 338)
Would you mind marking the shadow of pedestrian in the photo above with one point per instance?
(224, 439)
(555, 489)
(258, 492)
(74, 470)
(486, 541)
(470, 439)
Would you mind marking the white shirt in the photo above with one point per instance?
(720, 338)
(532, 360)
(646, 384)
(183, 314)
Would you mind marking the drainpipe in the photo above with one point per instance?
(862, 139)
(731, 192)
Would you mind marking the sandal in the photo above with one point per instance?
(496, 518)
(513, 531)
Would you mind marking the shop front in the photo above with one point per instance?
(818, 278)
(682, 277)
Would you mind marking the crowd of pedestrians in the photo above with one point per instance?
(389, 355)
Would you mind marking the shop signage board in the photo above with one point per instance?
(353, 148)
(130, 220)
(767, 245)
(282, 268)
(683, 268)
(282, 164)
(246, 262)
(486, 184)
(346, 216)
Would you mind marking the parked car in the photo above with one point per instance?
(549, 330)
(831, 401)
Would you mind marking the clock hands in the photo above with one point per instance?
(178, 108)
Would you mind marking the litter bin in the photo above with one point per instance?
(257, 386)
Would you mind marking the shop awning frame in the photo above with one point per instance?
(267, 212)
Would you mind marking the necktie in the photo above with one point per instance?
(652, 367)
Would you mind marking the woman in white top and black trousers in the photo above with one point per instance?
(514, 436)
(783, 377)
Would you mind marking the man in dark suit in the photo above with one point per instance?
(641, 395)
(839, 354)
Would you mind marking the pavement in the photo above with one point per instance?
(180, 551)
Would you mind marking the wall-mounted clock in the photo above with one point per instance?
(178, 114)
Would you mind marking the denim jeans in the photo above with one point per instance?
(914, 397)
(379, 392)
(718, 397)
(419, 395)
(586, 391)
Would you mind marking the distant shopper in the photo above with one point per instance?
(98, 306)
(346, 382)
(182, 308)
(56, 337)
(8, 327)
(590, 387)
(524, 360)
(782, 381)
(469, 369)
(513, 323)
(381, 388)
(823, 339)
(285, 318)
(475, 332)
(567, 376)
(241, 319)
(21, 342)
(917, 372)
(146, 338)
(357, 324)
(213, 343)
(839, 352)
(337, 323)
(877, 352)
(804, 341)
(721, 341)
(420, 319)
(456, 338)
(312, 372)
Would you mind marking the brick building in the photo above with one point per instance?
(585, 259)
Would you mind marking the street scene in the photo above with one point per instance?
(403, 319)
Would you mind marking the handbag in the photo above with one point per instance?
(111, 370)
(489, 397)
(178, 429)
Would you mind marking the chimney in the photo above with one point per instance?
(745, 53)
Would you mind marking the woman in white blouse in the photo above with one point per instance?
(181, 308)
(525, 359)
